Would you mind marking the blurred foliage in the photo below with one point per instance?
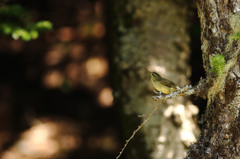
(16, 21)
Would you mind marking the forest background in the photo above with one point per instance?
(57, 91)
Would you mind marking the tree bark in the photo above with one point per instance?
(220, 134)
(152, 35)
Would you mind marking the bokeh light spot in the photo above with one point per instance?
(98, 30)
(65, 34)
(98, 9)
(77, 52)
(96, 67)
(84, 31)
(53, 57)
(37, 141)
(73, 72)
(46, 139)
(84, 13)
(105, 97)
(53, 79)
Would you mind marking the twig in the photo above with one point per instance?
(135, 131)
(186, 91)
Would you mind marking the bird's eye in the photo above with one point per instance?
(154, 74)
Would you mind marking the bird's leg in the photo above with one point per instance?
(158, 92)
(158, 96)
(155, 91)
(171, 94)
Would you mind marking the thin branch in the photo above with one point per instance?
(135, 131)
(197, 90)
(186, 90)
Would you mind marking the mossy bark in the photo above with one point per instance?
(220, 136)
(152, 35)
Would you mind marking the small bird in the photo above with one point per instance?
(161, 84)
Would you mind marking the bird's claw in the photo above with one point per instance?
(158, 92)
(171, 94)
(156, 97)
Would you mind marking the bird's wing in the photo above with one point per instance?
(168, 83)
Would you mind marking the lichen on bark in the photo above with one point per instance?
(220, 134)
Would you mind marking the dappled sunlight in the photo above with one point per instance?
(49, 139)
(98, 30)
(53, 57)
(183, 117)
(65, 34)
(12, 154)
(98, 9)
(96, 67)
(84, 31)
(53, 79)
(78, 51)
(105, 97)
(74, 71)
(38, 141)
(92, 30)
(84, 13)
(58, 103)
(56, 54)
(88, 74)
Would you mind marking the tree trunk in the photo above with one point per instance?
(152, 35)
(220, 134)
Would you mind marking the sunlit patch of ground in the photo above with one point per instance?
(56, 138)
(46, 139)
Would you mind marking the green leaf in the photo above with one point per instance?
(14, 21)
